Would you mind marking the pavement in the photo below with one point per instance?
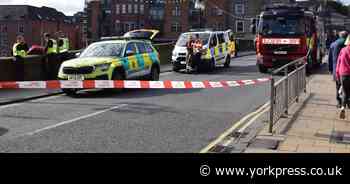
(314, 125)
(134, 121)
(15, 96)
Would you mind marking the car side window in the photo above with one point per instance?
(221, 38)
(149, 48)
(141, 47)
(213, 41)
(130, 47)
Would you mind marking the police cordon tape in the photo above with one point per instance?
(127, 84)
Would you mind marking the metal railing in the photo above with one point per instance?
(286, 91)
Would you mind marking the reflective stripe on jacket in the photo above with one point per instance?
(18, 52)
(53, 49)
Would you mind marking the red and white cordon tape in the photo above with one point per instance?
(127, 84)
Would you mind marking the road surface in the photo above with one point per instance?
(134, 121)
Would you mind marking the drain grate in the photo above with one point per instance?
(238, 134)
(221, 149)
(265, 144)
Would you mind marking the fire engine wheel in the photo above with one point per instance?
(262, 68)
(227, 62)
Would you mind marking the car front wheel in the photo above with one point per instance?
(70, 92)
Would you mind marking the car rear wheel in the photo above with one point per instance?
(154, 75)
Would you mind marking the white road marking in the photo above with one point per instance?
(75, 119)
(166, 73)
(234, 127)
(246, 126)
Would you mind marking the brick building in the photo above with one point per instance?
(172, 17)
(181, 15)
(32, 22)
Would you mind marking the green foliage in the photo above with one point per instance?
(339, 7)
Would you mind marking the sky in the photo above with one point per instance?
(69, 7)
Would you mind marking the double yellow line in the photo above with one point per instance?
(252, 117)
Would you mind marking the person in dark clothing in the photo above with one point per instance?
(190, 50)
(50, 44)
(334, 51)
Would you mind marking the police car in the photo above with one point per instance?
(218, 49)
(116, 58)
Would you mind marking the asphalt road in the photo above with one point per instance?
(134, 121)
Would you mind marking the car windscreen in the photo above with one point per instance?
(281, 26)
(139, 34)
(184, 38)
(103, 50)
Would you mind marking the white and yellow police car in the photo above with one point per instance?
(218, 49)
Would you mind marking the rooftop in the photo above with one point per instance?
(21, 12)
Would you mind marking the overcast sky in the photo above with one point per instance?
(69, 7)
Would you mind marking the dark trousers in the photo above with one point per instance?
(345, 82)
(338, 84)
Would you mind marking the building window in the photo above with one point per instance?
(239, 26)
(175, 27)
(3, 28)
(20, 29)
(136, 8)
(239, 9)
(124, 9)
(219, 12)
(177, 11)
(117, 9)
(129, 8)
(142, 9)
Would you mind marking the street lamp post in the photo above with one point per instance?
(200, 5)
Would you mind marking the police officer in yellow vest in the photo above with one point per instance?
(51, 50)
(63, 43)
(51, 45)
(20, 48)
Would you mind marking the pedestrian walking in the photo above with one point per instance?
(343, 75)
(334, 51)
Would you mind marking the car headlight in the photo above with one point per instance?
(103, 67)
(174, 54)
